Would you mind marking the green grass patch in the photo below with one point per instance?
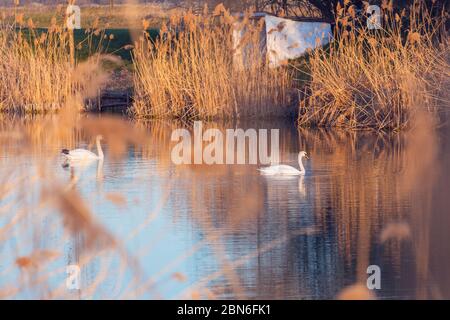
(111, 41)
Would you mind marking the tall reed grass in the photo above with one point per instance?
(39, 69)
(192, 71)
(34, 68)
(377, 78)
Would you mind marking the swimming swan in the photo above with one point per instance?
(286, 170)
(83, 154)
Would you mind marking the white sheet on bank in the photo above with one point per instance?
(288, 39)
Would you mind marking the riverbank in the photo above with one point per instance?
(187, 69)
(381, 78)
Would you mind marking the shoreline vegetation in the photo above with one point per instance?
(363, 80)
(122, 16)
(191, 70)
(379, 78)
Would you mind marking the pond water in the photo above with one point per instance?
(138, 226)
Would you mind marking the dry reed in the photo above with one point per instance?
(373, 78)
(191, 70)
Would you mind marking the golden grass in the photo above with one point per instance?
(376, 79)
(191, 70)
(34, 70)
(366, 204)
(39, 72)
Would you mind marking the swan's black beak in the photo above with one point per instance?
(306, 156)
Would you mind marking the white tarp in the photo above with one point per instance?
(286, 39)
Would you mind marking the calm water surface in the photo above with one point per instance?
(224, 231)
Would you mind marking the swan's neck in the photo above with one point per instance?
(100, 170)
(99, 149)
(300, 163)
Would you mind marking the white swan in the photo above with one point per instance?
(284, 169)
(82, 155)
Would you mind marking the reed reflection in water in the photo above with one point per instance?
(140, 227)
